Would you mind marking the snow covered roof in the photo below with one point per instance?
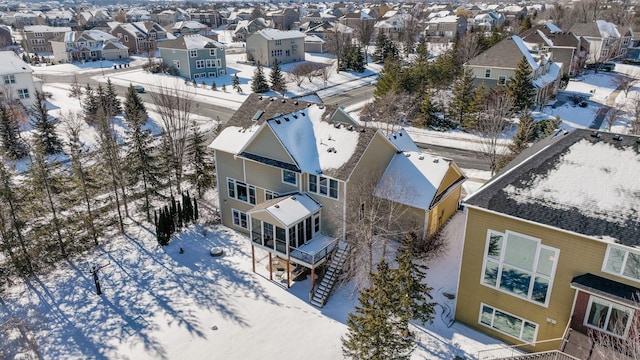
(233, 138)
(275, 34)
(553, 28)
(524, 49)
(190, 42)
(444, 19)
(607, 29)
(10, 63)
(583, 183)
(552, 75)
(47, 29)
(402, 141)
(289, 209)
(413, 178)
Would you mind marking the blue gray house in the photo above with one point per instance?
(194, 56)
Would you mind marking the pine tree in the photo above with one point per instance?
(259, 82)
(388, 79)
(520, 87)
(526, 24)
(214, 87)
(141, 165)
(429, 114)
(179, 216)
(236, 83)
(411, 289)
(203, 176)
(45, 129)
(374, 330)
(12, 146)
(224, 87)
(11, 201)
(277, 79)
(476, 105)
(90, 104)
(112, 103)
(196, 215)
(462, 97)
(385, 48)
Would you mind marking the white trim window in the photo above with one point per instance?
(176, 63)
(519, 265)
(487, 73)
(193, 53)
(240, 219)
(212, 52)
(268, 195)
(9, 79)
(502, 80)
(608, 317)
(289, 177)
(323, 186)
(23, 93)
(211, 63)
(199, 64)
(508, 324)
(241, 191)
(622, 262)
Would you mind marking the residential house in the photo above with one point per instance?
(283, 19)
(88, 45)
(37, 37)
(550, 256)
(606, 42)
(137, 14)
(244, 28)
(189, 27)
(494, 67)
(139, 36)
(18, 82)
(92, 18)
(267, 45)
(393, 24)
(485, 22)
(294, 175)
(194, 56)
(59, 18)
(566, 48)
(165, 17)
(20, 19)
(447, 28)
(209, 18)
(314, 44)
(358, 21)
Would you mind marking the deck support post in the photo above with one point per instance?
(270, 268)
(253, 257)
(313, 278)
(288, 270)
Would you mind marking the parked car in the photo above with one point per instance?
(139, 89)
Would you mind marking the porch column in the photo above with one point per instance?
(253, 258)
(270, 268)
(288, 269)
(313, 278)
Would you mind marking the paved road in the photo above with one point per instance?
(466, 159)
(351, 97)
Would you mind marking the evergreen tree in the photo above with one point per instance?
(411, 289)
(259, 82)
(12, 146)
(277, 78)
(476, 105)
(224, 87)
(141, 166)
(430, 114)
(374, 330)
(462, 97)
(112, 103)
(525, 134)
(13, 204)
(203, 176)
(196, 215)
(526, 24)
(422, 48)
(236, 83)
(520, 87)
(214, 86)
(179, 216)
(389, 78)
(385, 48)
(45, 129)
(90, 104)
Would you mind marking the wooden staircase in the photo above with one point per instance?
(337, 261)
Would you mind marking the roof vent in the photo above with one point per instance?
(421, 157)
(257, 115)
(302, 113)
(296, 102)
(286, 118)
(617, 138)
(293, 198)
(407, 154)
(295, 116)
(331, 150)
(270, 99)
(278, 121)
(321, 107)
(284, 101)
(260, 97)
(350, 128)
(337, 125)
(276, 206)
(435, 161)
(399, 134)
(362, 130)
(394, 136)
(595, 134)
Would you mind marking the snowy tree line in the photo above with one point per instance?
(60, 195)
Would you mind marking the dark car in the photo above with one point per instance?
(139, 89)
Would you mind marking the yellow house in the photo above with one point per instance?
(550, 256)
(290, 173)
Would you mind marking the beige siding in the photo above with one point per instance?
(267, 177)
(479, 72)
(451, 177)
(578, 255)
(440, 213)
(332, 210)
(267, 144)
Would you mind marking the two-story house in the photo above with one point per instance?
(18, 82)
(189, 27)
(567, 48)
(244, 28)
(37, 37)
(294, 175)
(550, 257)
(606, 41)
(86, 46)
(267, 45)
(139, 36)
(447, 28)
(194, 56)
(494, 67)
(283, 19)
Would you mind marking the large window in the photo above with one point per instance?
(240, 219)
(193, 53)
(506, 323)
(23, 93)
(323, 186)
(519, 265)
(606, 316)
(199, 64)
(622, 262)
(241, 191)
(9, 79)
(289, 177)
(487, 73)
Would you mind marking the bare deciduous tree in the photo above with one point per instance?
(492, 123)
(635, 120)
(174, 106)
(612, 116)
(389, 112)
(625, 347)
(467, 47)
(325, 72)
(364, 34)
(624, 82)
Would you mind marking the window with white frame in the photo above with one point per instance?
(9, 79)
(608, 317)
(23, 93)
(212, 52)
(487, 73)
(211, 63)
(126, 38)
(519, 265)
(323, 186)
(278, 42)
(241, 191)
(38, 34)
(622, 262)
(240, 219)
(199, 64)
(176, 63)
(508, 324)
(289, 177)
(604, 53)
(502, 79)
(625, 40)
(193, 53)
(268, 195)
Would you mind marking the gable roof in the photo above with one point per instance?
(190, 42)
(288, 209)
(275, 34)
(505, 54)
(580, 183)
(10, 63)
